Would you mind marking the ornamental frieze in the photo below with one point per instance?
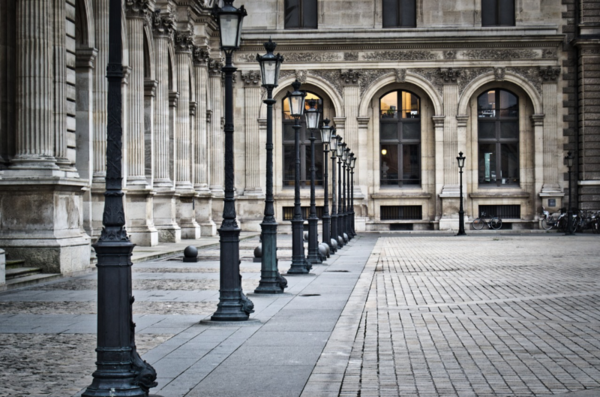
(500, 55)
(409, 55)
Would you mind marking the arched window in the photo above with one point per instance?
(400, 138)
(399, 13)
(289, 154)
(498, 137)
(497, 12)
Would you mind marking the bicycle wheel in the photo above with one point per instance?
(496, 223)
(477, 224)
(546, 225)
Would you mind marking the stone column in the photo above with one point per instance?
(164, 199)
(200, 154)
(35, 104)
(549, 133)
(215, 138)
(60, 98)
(438, 123)
(252, 101)
(139, 199)
(350, 80)
(362, 174)
(7, 85)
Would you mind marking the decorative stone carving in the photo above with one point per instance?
(173, 98)
(214, 66)
(500, 55)
(531, 74)
(549, 53)
(137, 8)
(449, 75)
(233, 77)
(184, 42)
(450, 54)
(499, 74)
(250, 78)
(301, 76)
(434, 77)
(200, 55)
(400, 75)
(370, 75)
(350, 76)
(193, 109)
(150, 87)
(286, 73)
(208, 115)
(163, 24)
(411, 55)
(331, 76)
(550, 73)
(207, 4)
(350, 56)
(469, 75)
(85, 57)
(307, 57)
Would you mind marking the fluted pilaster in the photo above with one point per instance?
(451, 148)
(34, 124)
(183, 47)
(101, 15)
(253, 142)
(215, 139)
(200, 160)
(163, 31)
(137, 12)
(60, 71)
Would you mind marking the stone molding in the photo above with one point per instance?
(85, 58)
(438, 121)
(173, 98)
(500, 55)
(193, 108)
(163, 25)
(208, 116)
(150, 87)
(418, 55)
(138, 9)
(449, 75)
(537, 120)
(252, 78)
(550, 73)
(301, 75)
(200, 55)
(462, 120)
(184, 42)
(350, 77)
(214, 67)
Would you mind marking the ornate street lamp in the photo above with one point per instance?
(570, 226)
(326, 139)
(352, 220)
(312, 123)
(271, 282)
(461, 213)
(340, 217)
(344, 230)
(233, 304)
(119, 369)
(299, 263)
(334, 216)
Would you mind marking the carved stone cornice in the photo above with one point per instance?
(184, 42)
(252, 78)
(549, 73)
(85, 58)
(163, 24)
(173, 98)
(214, 67)
(200, 55)
(500, 55)
(410, 55)
(139, 9)
(449, 75)
(350, 77)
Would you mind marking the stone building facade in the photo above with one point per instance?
(407, 84)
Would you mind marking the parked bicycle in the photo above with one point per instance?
(550, 221)
(493, 222)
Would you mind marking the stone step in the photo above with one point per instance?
(31, 280)
(18, 272)
(13, 263)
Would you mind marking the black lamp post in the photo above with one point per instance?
(344, 231)
(312, 123)
(233, 304)
(570, 225)
(352, 217)
(340, 225)
(271, 282)
(299, 263)
(334, 216)
(119, 369)
(326, 138)
(461, 212)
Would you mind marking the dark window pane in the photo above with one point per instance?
(486, 104)
(488, 12)
(407, 13)
(506, 12)
(288, 132)
(390, 13)
(509, 164)
(309, 14)
(509, 104)
(389, 131)
(509, 130)
(318, 164)
(411, 131)
(289, 165)
(411, 169)
(487, 163)
(389, 164)
(487, 130)
(292, 14)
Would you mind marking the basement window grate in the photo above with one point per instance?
(401, 212)
(501, 211)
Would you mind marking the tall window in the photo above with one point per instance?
(400, 138)
(498, 12)
(399, 13)
(301, 14)
(289, 154)
(498, 137)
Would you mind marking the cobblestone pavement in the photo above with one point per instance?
(475, 316)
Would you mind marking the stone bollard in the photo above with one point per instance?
(190, 254)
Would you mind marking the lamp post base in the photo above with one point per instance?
(299, 262)
(271, 281)
(313, 241)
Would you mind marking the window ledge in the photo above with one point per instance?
(401, 194)
(500, 193)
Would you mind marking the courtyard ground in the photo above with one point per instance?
(388, 315)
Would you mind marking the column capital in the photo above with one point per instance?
(85, 58)
(163, 25)
(137, 9)
(193, 108)
(462, 120)
(150, 87)
(173, 98)
(537, 120)
(252, 78)
(208, 116)
(214, 67)
(184, 42)
(438, 121)
(200, 55)
(549, 73)
(363, 122)
(350, 77)
(449, 75)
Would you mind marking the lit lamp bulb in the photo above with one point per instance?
(384, 151)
